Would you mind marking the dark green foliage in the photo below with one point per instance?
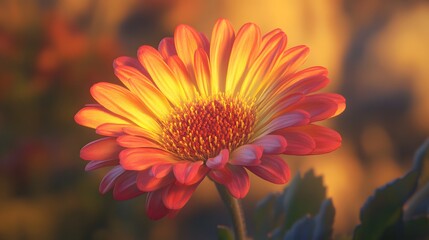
(300, 212)
(382, 216)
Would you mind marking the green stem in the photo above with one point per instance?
(234, 208)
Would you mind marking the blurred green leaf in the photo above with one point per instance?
(296, 208)
(302, 197)
(224, 233)
(302, 229)
(417, 228)
(418, 205)
(381, 215)
(314, 228)
(325, 221)
(264, 216)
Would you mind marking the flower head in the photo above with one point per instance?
(194, 109)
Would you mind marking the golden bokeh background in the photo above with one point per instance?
(51, 52)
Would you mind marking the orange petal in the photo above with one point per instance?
(146, 182)
(143, 88)
(242, 55)
(189, 173)
(101, 149)
(129, 141)
(94, 116)
(142, 158)
(124, 103)
(187, 41)
(111, 129)
(177, 195)
(220, 50)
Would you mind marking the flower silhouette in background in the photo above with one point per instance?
(196, 108)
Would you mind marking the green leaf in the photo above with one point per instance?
(224, 233)
(381, 215)
(418, 205)
(314, 228)
(263, 217)
(325, 221)
(417, 228)
(302, 197)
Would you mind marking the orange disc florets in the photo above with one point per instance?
(199, 129)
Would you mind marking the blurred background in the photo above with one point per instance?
(51, 52)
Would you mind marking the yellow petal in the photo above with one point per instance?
(123, 103)
(285, 67)
(257, 77)
(161, 74)
(94, 116)
(220, 50)
(202, 72)
(143, 88)
(181, 73)
(242, 56)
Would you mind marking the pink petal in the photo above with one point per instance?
(93, 165)
(129, 141)
(189, 173)
(177, 195)
(166, 47)
(101, 149)
(219, 161)
(155, 208)
(298, 142)
(125, 187)
(235, 179)
(326, 139)
(318, 106)
(147, 182)
(272, 144)
(272, 169)
(290, 119)
(143, 158)
(246, 155)
(309, 85)
(129, 62)
(109, 179)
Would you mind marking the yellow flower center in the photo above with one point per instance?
(198, 130)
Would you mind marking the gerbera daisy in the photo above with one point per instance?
(193, 109)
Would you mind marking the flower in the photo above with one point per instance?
(194, 109)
